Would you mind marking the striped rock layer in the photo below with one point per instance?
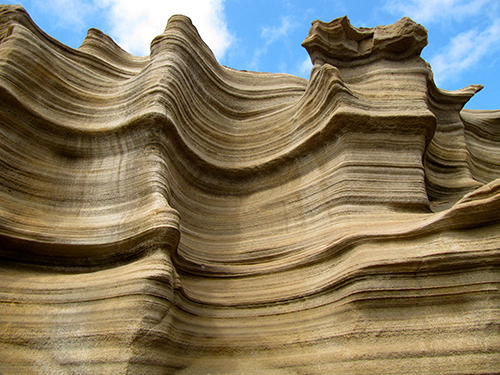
(166, 214)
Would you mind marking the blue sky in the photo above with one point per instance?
(264, 35)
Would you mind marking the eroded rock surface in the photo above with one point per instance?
(166, 214)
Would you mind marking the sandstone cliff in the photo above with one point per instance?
(166, 214)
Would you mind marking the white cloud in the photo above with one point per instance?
(305, 68)
(254, 62)
(73, 11)
(464, 51)
(66, 14)
(134, 23)
(271, 34)
(427, 11)
(480, 24)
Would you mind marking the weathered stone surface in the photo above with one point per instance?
(167, 214)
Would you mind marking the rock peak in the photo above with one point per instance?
(339, 43)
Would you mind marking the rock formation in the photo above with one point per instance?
(166, 214)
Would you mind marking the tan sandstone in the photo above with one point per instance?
(166, 214)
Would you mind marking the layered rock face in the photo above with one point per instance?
(166, 214)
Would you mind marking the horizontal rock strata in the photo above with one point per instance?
(166, 214)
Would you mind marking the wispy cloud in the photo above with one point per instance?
(304, 68)
(73, 12)
(66, 14)
(464, 51)
(478, 21)
(272, 34)
(135, 23)
(427, 11)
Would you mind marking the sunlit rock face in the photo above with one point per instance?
(166, 214)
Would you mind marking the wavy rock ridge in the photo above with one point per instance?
(167, 214)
